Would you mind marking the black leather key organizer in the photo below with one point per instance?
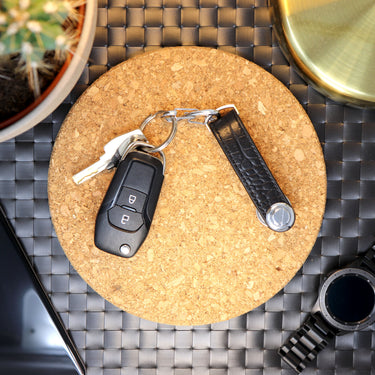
(273, 207)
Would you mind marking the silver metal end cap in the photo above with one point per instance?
(280, 217)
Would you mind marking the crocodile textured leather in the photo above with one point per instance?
(247, 162)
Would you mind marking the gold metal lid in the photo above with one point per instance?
(332, 44)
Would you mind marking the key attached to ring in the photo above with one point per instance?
(125, 215)
(113, 152)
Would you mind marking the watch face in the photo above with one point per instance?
(347, 299)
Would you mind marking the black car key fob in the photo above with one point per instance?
(126, 213)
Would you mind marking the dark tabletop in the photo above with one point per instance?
(114, 342)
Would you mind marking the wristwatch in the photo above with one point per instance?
(346, 303)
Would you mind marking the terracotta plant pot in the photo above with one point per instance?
(61, 86)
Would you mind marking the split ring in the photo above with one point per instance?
(171, 134)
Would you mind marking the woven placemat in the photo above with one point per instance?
(114, 342)
(207, 257)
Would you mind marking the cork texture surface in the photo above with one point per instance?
(207, 258)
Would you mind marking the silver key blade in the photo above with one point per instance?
(112, 150)
(90, 171)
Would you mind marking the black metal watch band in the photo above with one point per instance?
(366, 261)
(304, 345)
(271, 203)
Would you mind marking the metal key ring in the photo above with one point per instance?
(171, 134)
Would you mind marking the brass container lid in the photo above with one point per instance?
(332, 44)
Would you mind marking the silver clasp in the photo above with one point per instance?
(118, 147)
(196, 116)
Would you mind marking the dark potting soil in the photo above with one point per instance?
(15, 93)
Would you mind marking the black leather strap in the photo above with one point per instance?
(305, 344)
(247, 162)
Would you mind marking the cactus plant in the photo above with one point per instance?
(32, 28)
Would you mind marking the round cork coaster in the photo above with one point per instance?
(207, 258)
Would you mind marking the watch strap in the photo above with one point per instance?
(251, 168)
(366, 261)
(305, 344)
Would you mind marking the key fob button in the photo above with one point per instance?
(132, 199)
(139, 177)
(125, 219)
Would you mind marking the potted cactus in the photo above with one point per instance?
(44, 46)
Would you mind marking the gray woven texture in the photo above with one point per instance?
(113, 342)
